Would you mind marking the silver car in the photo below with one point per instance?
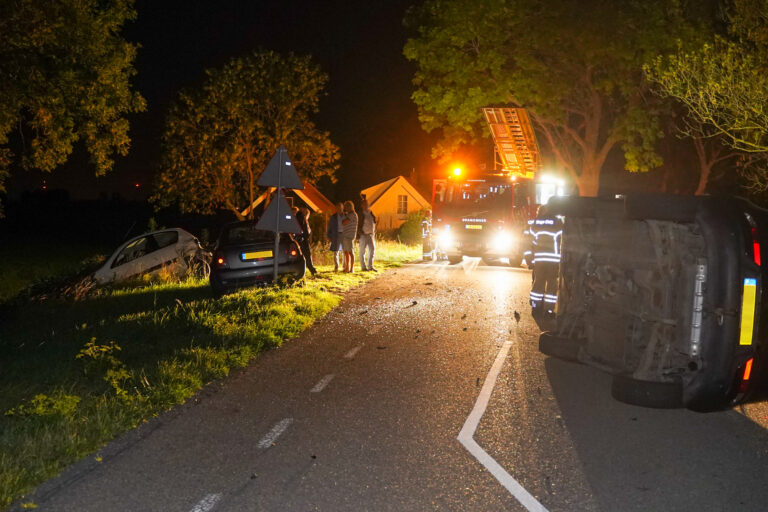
(171, 248)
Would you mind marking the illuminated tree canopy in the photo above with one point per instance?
(576, 67)
(219, 138)
(64, 78)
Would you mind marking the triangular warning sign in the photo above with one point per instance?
(279, 216)
(280, 172)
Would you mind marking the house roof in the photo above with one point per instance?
(376, 192)
(372, 194)
(310, 195)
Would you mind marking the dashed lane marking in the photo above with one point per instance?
(273, 434)
(323, 382)
(351, 353)
(466, 438)
(207, 503)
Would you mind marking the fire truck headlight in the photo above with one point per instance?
(502, 241)
(445, 239)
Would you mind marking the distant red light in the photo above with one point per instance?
(136, 185)
(293, 252)
(220, 261)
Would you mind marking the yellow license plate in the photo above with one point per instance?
(748, 311)
(257, 255)
(473, 226)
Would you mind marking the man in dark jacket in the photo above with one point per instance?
(302, 216)
(334, 234)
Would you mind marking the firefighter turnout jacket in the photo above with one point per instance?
(546, 233)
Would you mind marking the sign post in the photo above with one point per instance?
(279, 174)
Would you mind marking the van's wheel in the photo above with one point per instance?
(646, 393)
(455, 259)
(561, 348)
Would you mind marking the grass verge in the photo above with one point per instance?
(74, 375)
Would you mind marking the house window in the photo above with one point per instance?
(402, 205)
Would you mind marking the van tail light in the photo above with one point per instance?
(755, 247)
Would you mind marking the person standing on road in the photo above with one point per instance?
(547, 232)
(349, 232)
(302, 216)
(367, 236)
(334, 233)
(427, 247)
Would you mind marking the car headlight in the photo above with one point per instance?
(445, 239)
(502, 241)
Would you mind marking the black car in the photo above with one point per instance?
(665, 293)
(244, 257)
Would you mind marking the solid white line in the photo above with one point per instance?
(207, 503)
(351, 353)
(470, 426)
(321, 385)
(273, 434)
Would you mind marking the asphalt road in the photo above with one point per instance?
(364, 412)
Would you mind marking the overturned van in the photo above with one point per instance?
(663, 292)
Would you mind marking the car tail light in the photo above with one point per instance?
(755, 247)
(219, 259)
(746, 375)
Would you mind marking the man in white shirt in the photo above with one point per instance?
(367, 236)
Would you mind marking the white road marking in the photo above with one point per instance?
(207, 503)
(323, 382)
(351, 353)
(470, 426)
(273, 434)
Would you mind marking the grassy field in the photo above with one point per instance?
(74, 375)
(22, 264)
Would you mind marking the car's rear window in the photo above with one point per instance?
(166, 238)
(245, 234)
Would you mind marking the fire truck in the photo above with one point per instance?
(487, 215)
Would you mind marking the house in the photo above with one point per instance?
(392, 201)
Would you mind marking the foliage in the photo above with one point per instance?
(166, 342)
(722, 87)
(64, 78)
(410, 231)
(576, 67)
(219, 138)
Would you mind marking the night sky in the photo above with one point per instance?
(367, 110)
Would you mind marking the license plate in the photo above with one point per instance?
(256, 255)
(473, 226)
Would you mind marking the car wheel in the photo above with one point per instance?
(455, 259)
(561, 348)
(646, 393)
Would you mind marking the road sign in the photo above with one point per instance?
(280, 172)
(279, 215)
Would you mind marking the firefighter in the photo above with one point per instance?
(426, 237)
(547, 234)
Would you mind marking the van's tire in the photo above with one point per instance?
(645, 393)
(561, 348)
(661, 207)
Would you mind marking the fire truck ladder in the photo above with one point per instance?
(515, 148)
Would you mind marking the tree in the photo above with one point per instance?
(576, 67)
(64, 77)
(219, 138)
